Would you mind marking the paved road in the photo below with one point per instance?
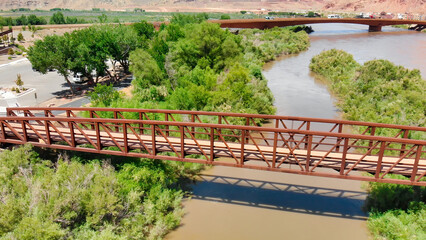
(47, 86)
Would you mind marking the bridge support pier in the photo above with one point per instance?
(373, 28)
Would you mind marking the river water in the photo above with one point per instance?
(232, 203)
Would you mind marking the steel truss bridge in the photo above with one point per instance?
(309, 146)
(375, 25)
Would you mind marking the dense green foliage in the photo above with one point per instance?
(22, 20)
(380, 91)
(57, 18)
(399, 224)
(85, 51)
(203, 67)
(396, 211)
(377, 91)
(88, 199)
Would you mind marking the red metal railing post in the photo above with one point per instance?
(126, 144)
(274, 150)
(340, 129)
(211, 145)
(3, 132)
(24, 130)
(345, 151)
(219, 121)
(247, 124)
(193, 120)
(92, 116)
(308, 126)
(243, 136)
(98, 136)
(166, 118)
(308, 154)
(154, 147)
(141, 126)
(373, 131)
(47, 129)
(380, 159)
(182, 142)
(416, 163)
(71, 126)
(404, 145)
(116, 117)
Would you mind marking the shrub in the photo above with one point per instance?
(399, 224)
(225, 16)
(79, 198)
(21, 37)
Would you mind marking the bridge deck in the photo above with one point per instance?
(288, 147)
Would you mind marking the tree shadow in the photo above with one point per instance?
(281, 196)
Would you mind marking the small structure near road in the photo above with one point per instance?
(10, 99)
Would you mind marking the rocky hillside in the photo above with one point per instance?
(402, 6)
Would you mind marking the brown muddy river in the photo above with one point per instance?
(232, 203)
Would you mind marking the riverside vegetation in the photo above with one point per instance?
(379, 91)
(72, 197)
(199, 66)
(187, 64)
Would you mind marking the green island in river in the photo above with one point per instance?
(379, 91)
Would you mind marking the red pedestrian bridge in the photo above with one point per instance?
(309, 146)
(375, 25)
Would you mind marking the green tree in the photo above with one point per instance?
(103, 18)
(10, 51)
(21, 20)
(34, 20)
(183, 19)
(311, 14)
(20, 37)
(204, 45)
(53, 52)
(57, 18)
(225, 17)
(122, 41)
(19, 81)
(104, 95)
(90, 52)
(144, 29)
(145, 70)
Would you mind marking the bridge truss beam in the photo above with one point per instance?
(289, 145)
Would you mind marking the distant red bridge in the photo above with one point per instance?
(375, 25)
(309, 146)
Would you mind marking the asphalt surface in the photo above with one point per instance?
(46, 86)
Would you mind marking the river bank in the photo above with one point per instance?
(233, 206)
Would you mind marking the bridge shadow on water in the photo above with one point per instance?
(281, 196)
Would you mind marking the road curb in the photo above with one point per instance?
(14, 62)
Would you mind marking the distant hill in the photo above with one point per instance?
(396, 6)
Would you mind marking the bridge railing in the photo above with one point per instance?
(284, 122)
(207, 143)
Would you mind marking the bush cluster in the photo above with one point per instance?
(380, 91)
(76, 198)
(377, 91)
(189, 65)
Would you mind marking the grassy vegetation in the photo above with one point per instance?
(188, 64)
(88, 196)
(203, 67)
(396, 211)
(113, 16)
(379, 91)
